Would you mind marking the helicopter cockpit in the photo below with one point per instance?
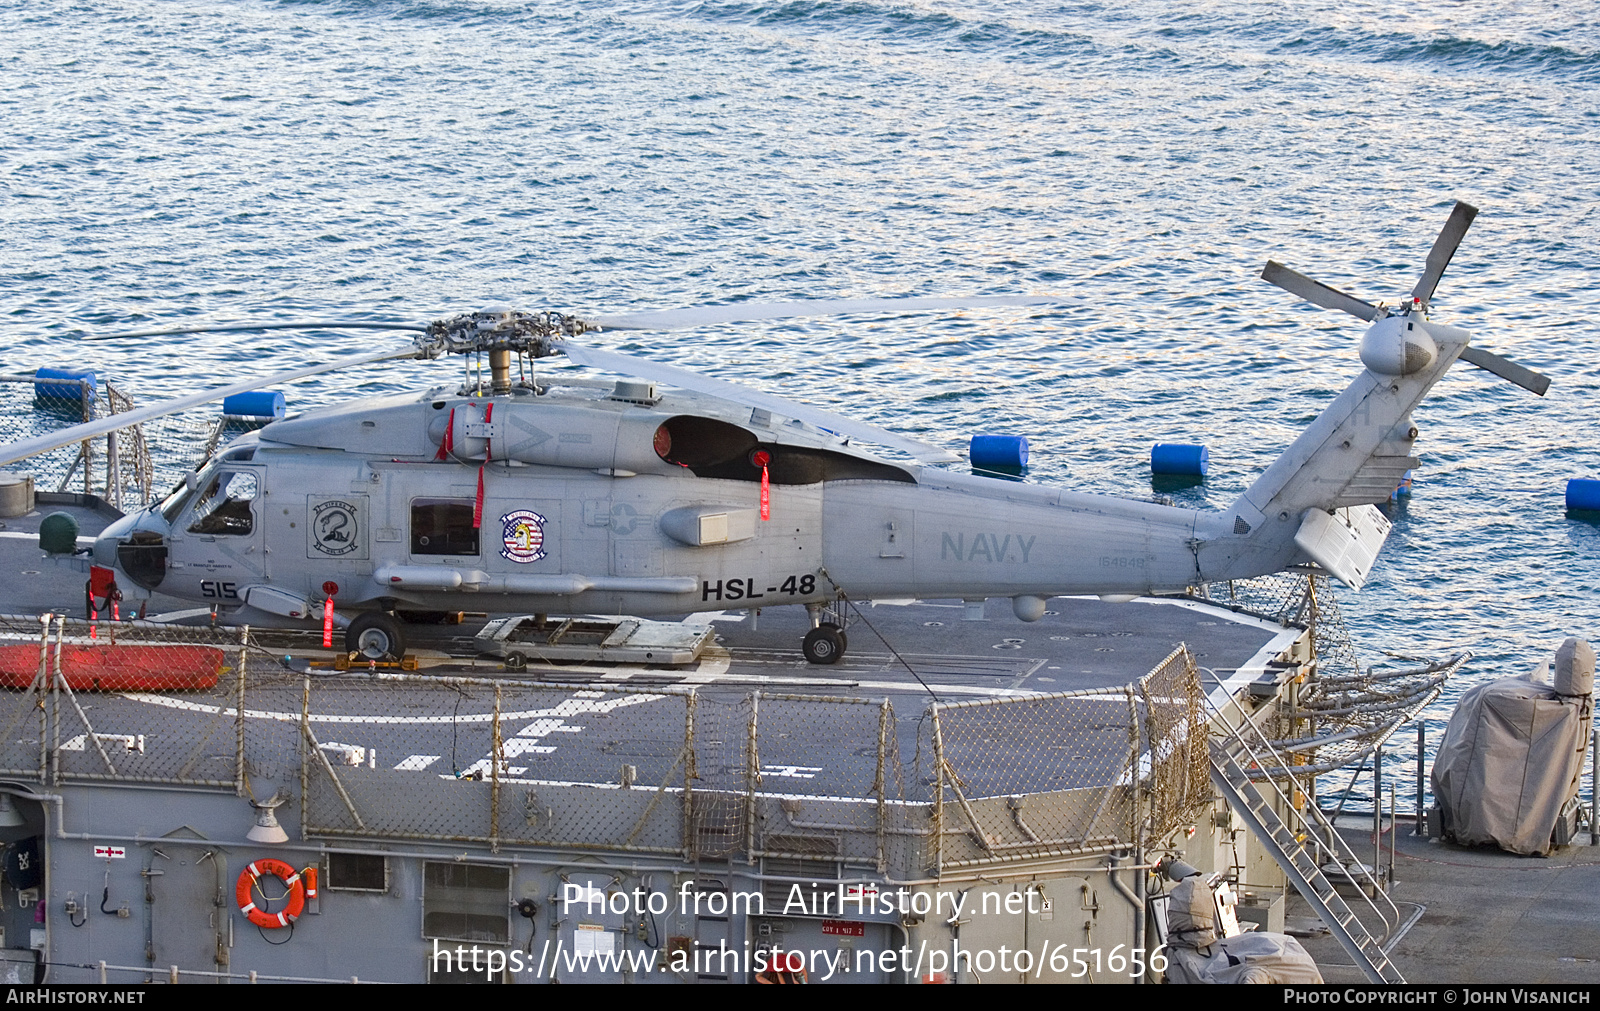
(216, 500)
(224, 506)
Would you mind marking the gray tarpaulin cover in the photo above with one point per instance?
(1197, 955)
(1513, 752)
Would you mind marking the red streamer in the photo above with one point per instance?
(448, 443)
(761, 458)
(327, 623)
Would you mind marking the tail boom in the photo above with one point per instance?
(1352, 456)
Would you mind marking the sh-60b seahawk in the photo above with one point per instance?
(632, 499)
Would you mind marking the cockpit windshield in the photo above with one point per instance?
(172, 506)
(224, 506)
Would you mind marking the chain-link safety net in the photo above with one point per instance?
(716, 805)
(700, 772)
(468, 759)
(825, 782)
(1339, 713)
(123, 701)
(1179, 773)
(117, 467)
(1055, 775)
(1292, 598)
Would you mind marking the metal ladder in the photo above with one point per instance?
(1232, 780)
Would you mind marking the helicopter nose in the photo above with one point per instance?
(105, 545)
(105, 551)
(137, 546)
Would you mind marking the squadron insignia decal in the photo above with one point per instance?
(336, 528)
(522, 532)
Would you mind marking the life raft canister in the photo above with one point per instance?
(245, 893)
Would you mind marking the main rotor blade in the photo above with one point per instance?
(1535, 382)
(315, 324)
(1444, 247)
(1317, 293)
(676, 319)
(15, 451)
(628, 365)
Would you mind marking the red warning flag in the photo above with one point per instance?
(761, 458)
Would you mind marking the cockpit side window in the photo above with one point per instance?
(224, 507)
(443, 527)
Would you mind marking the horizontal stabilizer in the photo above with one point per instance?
(1376, 480)
(1345, 542)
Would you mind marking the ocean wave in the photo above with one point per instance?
(1449, 52)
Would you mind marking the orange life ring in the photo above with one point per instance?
(251, 875)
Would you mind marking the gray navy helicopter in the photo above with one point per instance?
(553, 496)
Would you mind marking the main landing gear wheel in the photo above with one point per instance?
(375, 636)
(824, 644)
(844, 637)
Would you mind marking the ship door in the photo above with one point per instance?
(187, 910)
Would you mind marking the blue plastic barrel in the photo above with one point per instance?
(255, 404)
(999, 452)
(1403, 488)
(61, 391)
(1176, 458)
(1583, 493)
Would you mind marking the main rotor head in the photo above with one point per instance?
(499, 329)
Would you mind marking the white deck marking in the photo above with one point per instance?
(543, 728)
(23, 535)
(515, 747)
(416, 763)
(348, 754)
(569, 707)
(129, 742)
(791, 771)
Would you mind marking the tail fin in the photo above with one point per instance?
(1317, 499)
(1354, 454)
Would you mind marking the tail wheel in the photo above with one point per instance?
(515, 661)
(375, 636)
(823, 644)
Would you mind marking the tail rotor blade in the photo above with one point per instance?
(1444, 247)
(1534, 382)
(1317, 293)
